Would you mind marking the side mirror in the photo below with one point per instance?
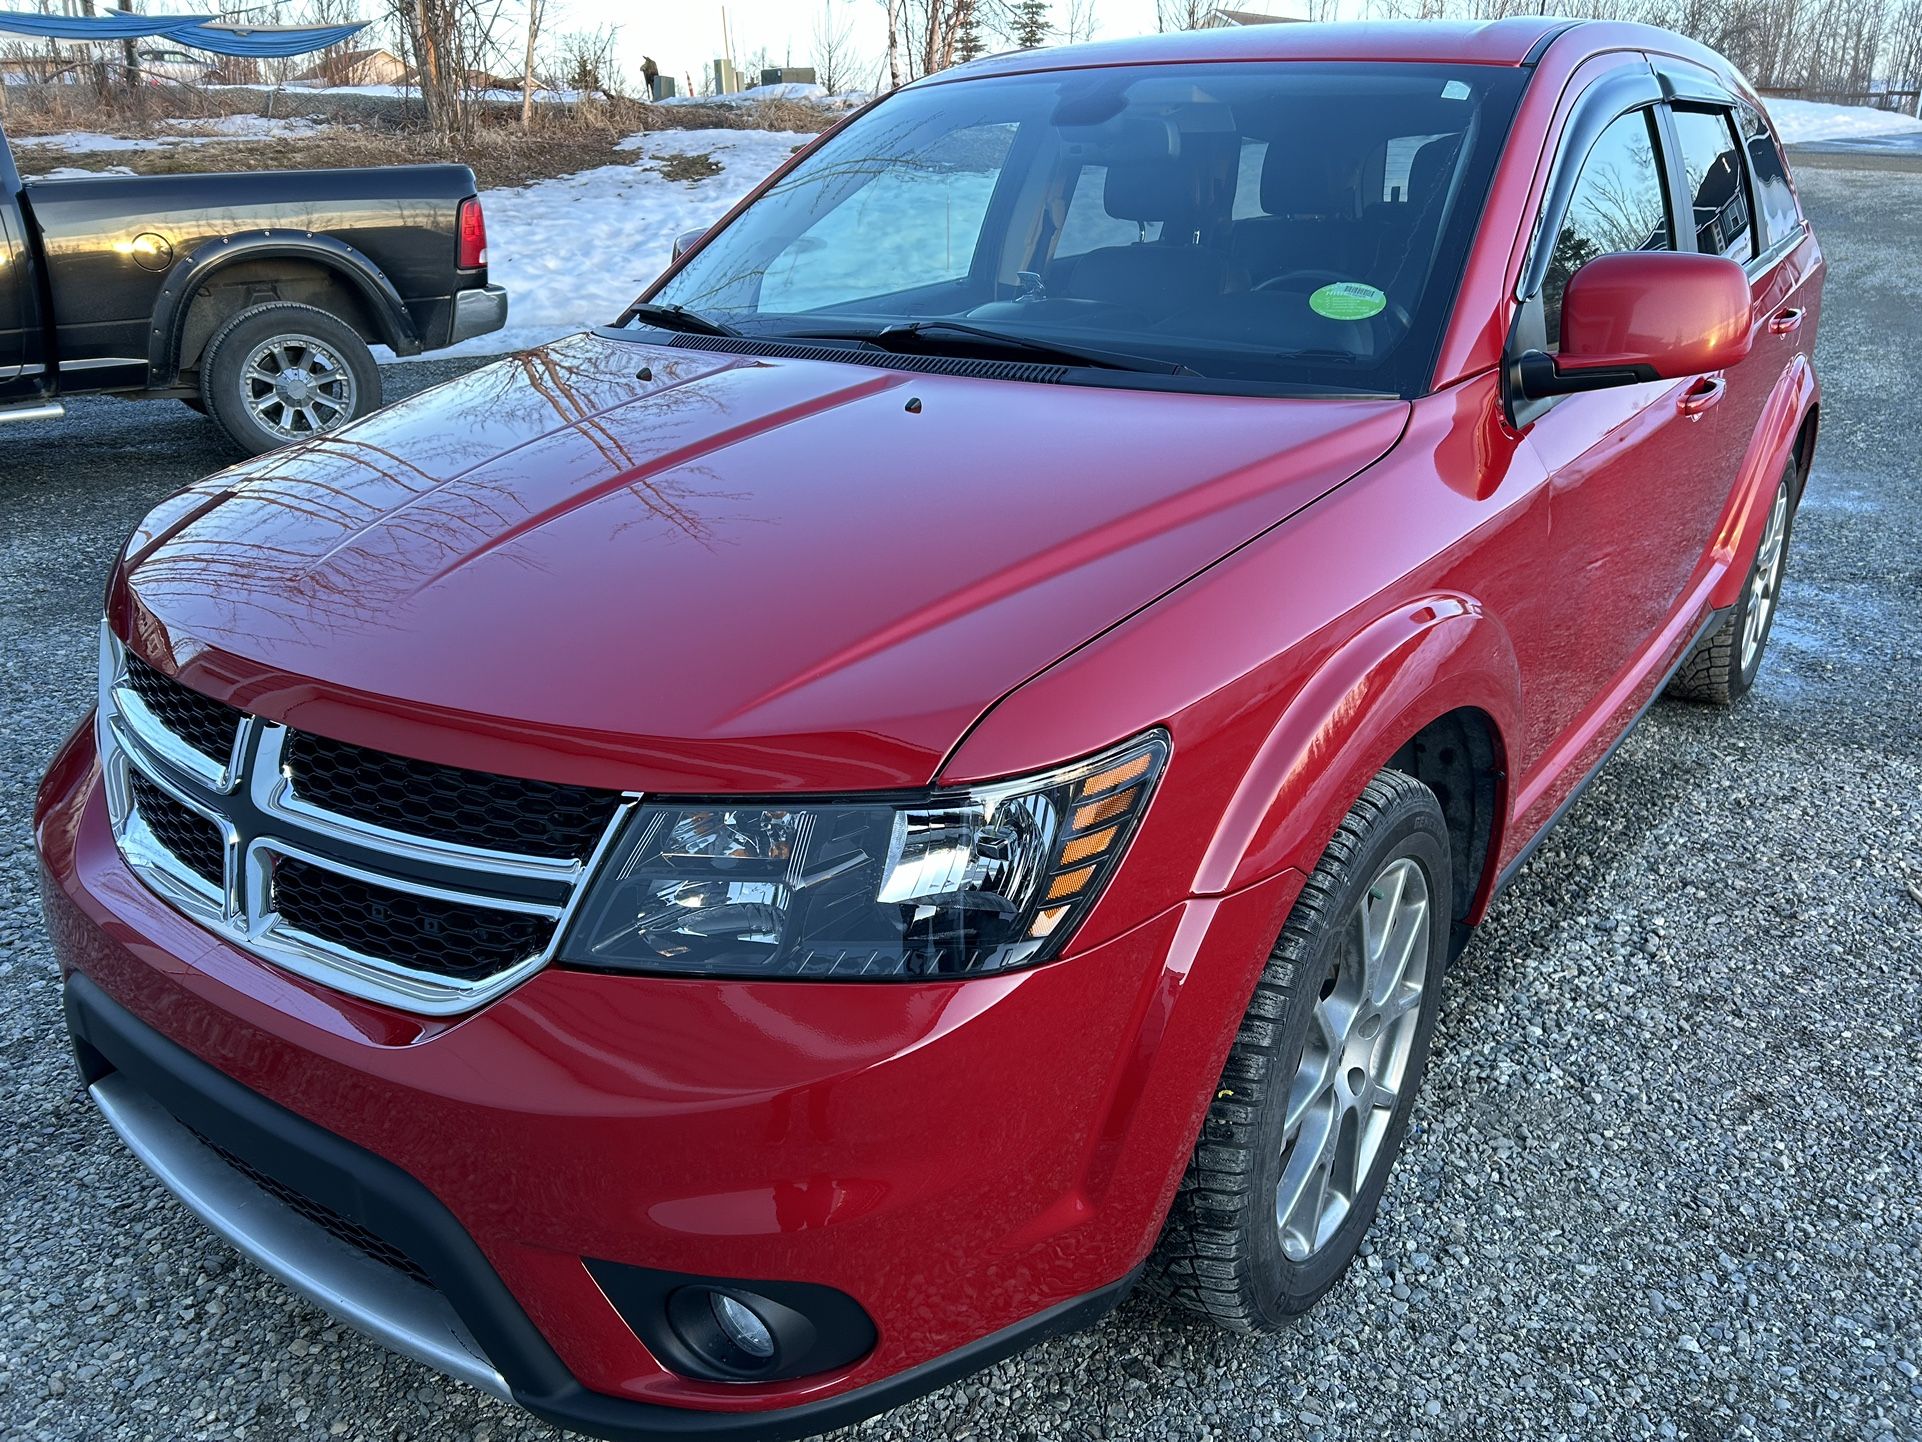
(1643, 315)
(684, 242)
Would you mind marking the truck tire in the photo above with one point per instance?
(280, 373)
(1725, 663)
(1315, 1096)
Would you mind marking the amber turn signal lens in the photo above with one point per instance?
(1106, 809)
(1133, 769)
(1080, 848)
(1068, 883)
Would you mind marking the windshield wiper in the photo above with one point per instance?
(675, 317)
(909, 335)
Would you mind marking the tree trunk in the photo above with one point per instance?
(894, 44)
(130, 53)
(527, 71)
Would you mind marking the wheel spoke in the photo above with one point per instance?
(1313, 1080)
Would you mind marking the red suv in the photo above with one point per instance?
(714, 876)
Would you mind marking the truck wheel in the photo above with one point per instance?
(1726, 662)
(280, 373)
(1315, 1096)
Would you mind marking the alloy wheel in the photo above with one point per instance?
(1354, 1065)
(1765, 583)
(296, 387)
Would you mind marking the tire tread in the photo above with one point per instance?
(1201, 1262)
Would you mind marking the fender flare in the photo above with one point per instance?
(191, 272)
(1771, 447)
(1417, 663)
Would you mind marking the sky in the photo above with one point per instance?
(684, 35)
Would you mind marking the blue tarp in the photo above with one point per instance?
(195, 32)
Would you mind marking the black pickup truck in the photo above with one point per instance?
(253, 298)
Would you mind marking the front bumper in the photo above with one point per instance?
(978, 1164)
(477, 312)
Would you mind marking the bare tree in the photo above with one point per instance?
(1181, 14)
(454, 45)
(833, 49)
(536, 13)
(1081, 23)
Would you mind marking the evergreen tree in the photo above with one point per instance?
(1031, 23)
(969, 45)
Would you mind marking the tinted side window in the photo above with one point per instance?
(1714, 168)
(1617, 205)
(1773, 198)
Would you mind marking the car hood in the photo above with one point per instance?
(673, 569)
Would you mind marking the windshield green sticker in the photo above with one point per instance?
(1348, 300)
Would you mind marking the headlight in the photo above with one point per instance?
(950, 884)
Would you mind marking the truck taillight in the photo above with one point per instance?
(473, 234)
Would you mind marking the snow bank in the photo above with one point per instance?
(575, 250)
(1803, 120)
(790, 90)
(190, 132)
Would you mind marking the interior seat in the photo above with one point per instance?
(1160, 277)
(1395, 226)
(1308, 220)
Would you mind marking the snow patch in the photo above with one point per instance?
(207, 131)
(1799, 121)
(574, 251)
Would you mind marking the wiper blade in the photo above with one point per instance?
(675, 317)
(908, 335)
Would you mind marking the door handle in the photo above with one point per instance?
(1784, 321)
(1700, 396)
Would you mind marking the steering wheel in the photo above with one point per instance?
(1283, 281)
(1290, 280)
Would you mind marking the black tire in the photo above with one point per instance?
(1717, 671)
(225, 383)
(1222, 1252)
(194, 404)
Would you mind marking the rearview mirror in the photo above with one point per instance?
(684, 242)
(1643, 315)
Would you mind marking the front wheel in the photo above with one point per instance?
(1315, 1097)
(281, 372)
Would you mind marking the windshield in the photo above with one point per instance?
(1272, 226)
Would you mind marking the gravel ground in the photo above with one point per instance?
(1662, 1182)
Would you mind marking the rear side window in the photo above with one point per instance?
(1713, 165)
(1774, 201)
(1617, 205)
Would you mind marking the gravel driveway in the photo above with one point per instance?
(1663, 1180)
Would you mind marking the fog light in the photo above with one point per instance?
(742, 1327)
(728, 1329)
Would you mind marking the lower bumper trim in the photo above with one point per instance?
(477, 312)
(371, 1298)
(169, 1106)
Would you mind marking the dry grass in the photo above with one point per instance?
(497, 160)
(360, 130)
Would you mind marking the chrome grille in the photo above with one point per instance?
(200, 721)
(182, 832)
(474, 808)
(424, 887)
(444, 937)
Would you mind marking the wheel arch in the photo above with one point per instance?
(1785, 434)
(1431, 689)
(383, 315)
